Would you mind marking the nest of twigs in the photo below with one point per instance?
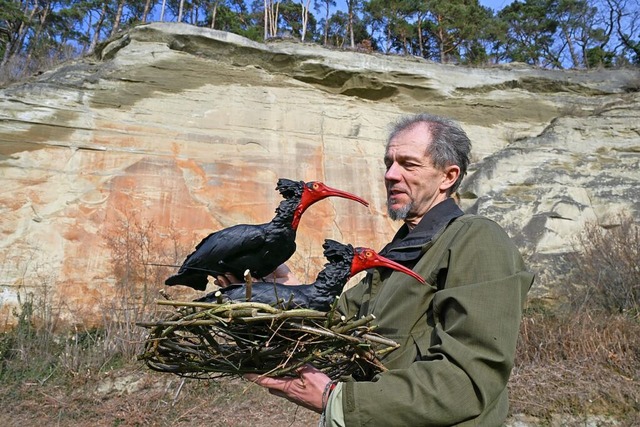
(209, 340)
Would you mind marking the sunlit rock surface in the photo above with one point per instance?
(114, 164)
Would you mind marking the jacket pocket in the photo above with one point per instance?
(404, 355)
(422, 341)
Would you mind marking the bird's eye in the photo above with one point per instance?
(368, 254)
(315, 186)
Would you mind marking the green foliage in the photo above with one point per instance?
(324, 8)
(547, 33)
(598, 57)
(235, 17)
(457, 29)
(291, 20)
(530, 31)
(339, 35)
(393, 21)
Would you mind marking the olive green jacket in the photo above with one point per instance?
(457, 334)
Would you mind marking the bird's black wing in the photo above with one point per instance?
(216, 253)
(274, 294)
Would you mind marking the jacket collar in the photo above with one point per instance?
(406, 246)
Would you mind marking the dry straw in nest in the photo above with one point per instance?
(208, 340)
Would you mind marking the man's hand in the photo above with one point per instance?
(306, 390)
(282, 274)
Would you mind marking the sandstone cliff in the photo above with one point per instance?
(174, 131)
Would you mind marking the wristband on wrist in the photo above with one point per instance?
(331, 385)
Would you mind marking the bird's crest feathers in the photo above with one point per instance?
(289, 188)
(336, 251)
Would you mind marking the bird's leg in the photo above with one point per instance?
(249, 281)
(289, 302)
(279, 302)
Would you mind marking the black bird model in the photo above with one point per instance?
(258, 248)
(344, 262)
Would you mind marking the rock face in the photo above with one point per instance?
(173, 131)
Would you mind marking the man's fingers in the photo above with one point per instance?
(290, 388)
(307, 390)
(224, 280)
(306, 370)
(270, 382)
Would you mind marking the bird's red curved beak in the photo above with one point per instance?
(365, 258)
(315, 191)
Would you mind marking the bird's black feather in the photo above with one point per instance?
(258, 248)
(317, 295)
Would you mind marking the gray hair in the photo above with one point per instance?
(450, 145)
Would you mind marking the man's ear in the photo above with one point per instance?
(450, 176)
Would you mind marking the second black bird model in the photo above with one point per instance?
(257, 248)
(344, 262)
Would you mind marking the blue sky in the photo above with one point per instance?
(493, 4)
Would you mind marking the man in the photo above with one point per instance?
(457, 335)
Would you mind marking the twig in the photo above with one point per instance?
(175, 396)
(248, 282)
(355, 324)
(207, 340)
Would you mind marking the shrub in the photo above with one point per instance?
(605, 268)
(577, 364)
(584, 359)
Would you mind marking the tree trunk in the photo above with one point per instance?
(145, 12)
(305, 17)
(164, 5)
(387, 48)
(33, 42)
(326, 24)
(351, 36)
(441, 37)
(117, 18)
(214, 12)
(420, 41)
(572, 50)
(270, 18)
(13, 47)
(275, 19)
(180, 10)
(5, 57)
(98, 28)
(266, 20)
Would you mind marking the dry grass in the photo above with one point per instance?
(572, 365)
(584, 357)
(606, 272)
(135, 396)
(583, 361)
(578, 363)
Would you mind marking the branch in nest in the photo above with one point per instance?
(208, 340)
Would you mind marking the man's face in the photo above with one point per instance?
(412, 182)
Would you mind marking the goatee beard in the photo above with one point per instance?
(399, 213)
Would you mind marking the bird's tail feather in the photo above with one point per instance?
(195, 281)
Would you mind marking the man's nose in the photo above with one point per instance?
(393, 173)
